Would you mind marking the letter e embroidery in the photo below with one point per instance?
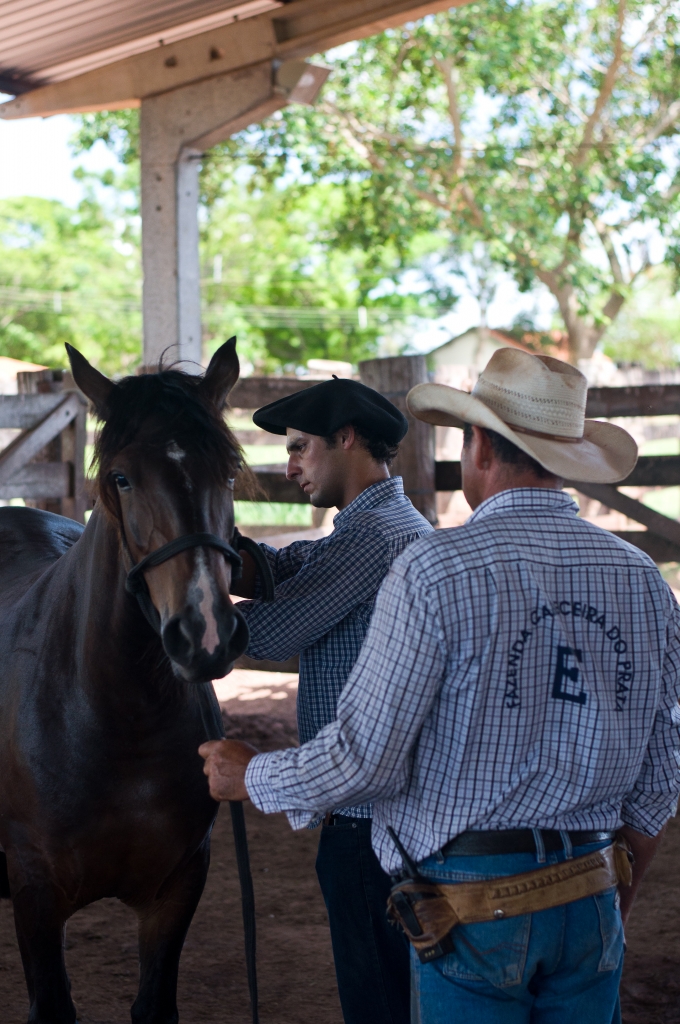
(566, 671)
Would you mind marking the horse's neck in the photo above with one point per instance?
(112, 635)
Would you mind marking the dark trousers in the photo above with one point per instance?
(371, 956)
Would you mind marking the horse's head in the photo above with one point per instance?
(166, 463)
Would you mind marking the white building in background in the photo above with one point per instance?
(9, 368)
(472, 349)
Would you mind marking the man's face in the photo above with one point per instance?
(317, 468)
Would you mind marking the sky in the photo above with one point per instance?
(36, 160)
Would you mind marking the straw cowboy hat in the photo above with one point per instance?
(539, 404)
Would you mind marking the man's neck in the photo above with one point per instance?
(509, 481)
(356, 484)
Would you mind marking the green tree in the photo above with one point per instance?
(68, 275)
(274, 276)
(276, 269)
(647, 330)
(547, 131)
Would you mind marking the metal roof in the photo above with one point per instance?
(44, 41)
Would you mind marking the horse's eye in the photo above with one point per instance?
(121, 482)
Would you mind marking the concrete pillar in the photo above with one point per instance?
(176, 128)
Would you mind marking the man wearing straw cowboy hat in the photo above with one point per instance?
(513, 709)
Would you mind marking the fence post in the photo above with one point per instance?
(394, 377)
(68, 446)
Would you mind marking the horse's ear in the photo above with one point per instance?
(91, 382)
(222, 374)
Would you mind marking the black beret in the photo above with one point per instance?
(326, 407)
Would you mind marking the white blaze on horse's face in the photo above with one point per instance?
(175, 452)
(177, 455)
(202, 585)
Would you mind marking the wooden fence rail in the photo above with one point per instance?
(45, 463)
(424, 477)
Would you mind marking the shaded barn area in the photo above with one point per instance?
(297, 980)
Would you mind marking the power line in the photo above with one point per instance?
(310, 317)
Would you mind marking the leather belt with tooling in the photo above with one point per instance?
(429, 911)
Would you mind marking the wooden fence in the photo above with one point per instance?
(44, 463)
(423, 476)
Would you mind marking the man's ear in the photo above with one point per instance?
(91, 382)
(222, 374)
(347, 436)
(482, 452)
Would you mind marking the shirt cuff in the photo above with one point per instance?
(258, 785)
(264, 796)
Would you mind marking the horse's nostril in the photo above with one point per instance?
(178, 640)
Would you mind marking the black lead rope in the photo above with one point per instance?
(136, 584)
(238, 824)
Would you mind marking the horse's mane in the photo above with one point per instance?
(170, 406)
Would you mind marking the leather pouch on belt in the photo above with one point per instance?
(425, 915)
(428, 912)
(624, 860)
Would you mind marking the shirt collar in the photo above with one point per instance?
(534, 498)
(372, 497)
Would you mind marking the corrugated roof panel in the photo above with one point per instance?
(48, 40)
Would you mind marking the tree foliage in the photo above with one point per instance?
(286, 288)
(646, 331)
(277, 249)
(546, 130)
(68, 275)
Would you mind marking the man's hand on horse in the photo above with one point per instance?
(225, 765)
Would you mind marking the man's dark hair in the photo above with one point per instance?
(376, 447)
(507, 452)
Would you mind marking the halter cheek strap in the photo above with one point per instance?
(136, 584)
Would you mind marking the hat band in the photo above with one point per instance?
(546, 437)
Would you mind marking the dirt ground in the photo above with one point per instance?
(296, 977)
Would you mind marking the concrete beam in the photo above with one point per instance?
(295, 30)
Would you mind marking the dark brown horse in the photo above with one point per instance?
(101, 715)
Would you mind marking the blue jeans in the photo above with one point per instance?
(557, 966)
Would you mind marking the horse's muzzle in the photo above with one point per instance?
(182, 637)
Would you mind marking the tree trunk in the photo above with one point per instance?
(582, 337)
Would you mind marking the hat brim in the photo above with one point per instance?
(605, 455)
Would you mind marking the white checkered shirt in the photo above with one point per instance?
(325, 594)
(522, 670)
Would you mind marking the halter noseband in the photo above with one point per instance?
(136, 584)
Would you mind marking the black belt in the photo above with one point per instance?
(342, 819)
(518, 840)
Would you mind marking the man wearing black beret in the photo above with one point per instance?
(341, 437)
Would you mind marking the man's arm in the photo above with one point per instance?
(284, 563)
(365, 753)
(340, 574)
(644, 850)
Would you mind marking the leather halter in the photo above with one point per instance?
(136, 584)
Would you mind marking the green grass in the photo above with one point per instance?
(265, 454)
(666, 501)
(265, 513)
(662, 446)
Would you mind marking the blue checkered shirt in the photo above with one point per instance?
(520, 671)
(325, 593)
